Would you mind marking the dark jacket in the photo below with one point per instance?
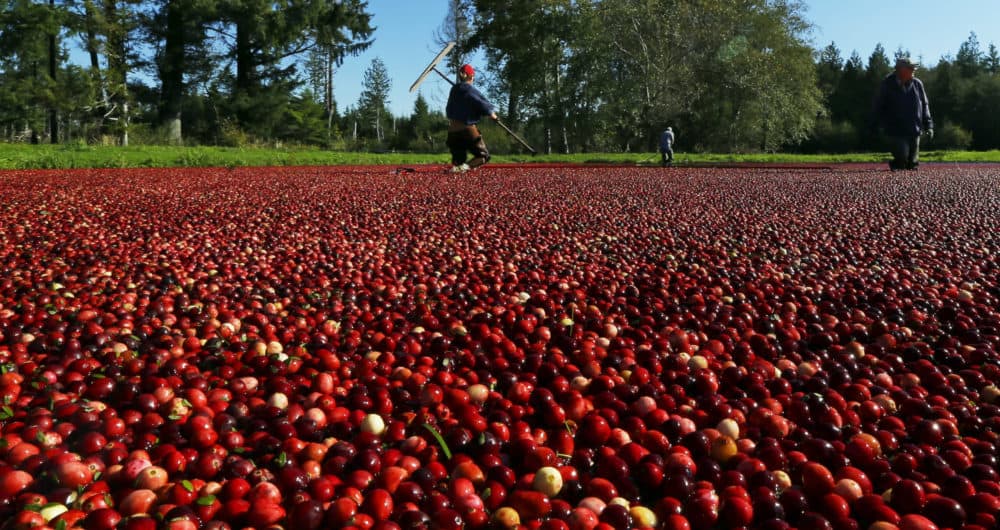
(466, 104)
(902, 111)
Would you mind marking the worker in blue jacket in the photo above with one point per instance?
(466, 106)
(667, 147)
(902, 110)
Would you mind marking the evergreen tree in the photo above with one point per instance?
(345, 32)
(978, 111)
(878, 65)
(54, 61)
(943, 85)
(304, 120)
(264, 38)
(178, 28)
(851, 99)
(420, 120)
(970, 58)
(120, 22)
(30, 62)
(373, 105)
(992, 60)
(427, 128)
(829, 70)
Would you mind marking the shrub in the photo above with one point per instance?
(950, 136)
(232, 135)
(830, 137)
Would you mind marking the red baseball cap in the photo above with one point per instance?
(468, 71)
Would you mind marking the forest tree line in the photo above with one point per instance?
(571, 75)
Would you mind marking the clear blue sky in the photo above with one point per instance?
(928, 29)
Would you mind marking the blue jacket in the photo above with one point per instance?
(902, 111)
(666, 140)
(466, 104)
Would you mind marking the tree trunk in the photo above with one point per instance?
(53, 113)
(244, 71)
(562, 112)
(124, 136)
(328, 89)
(91, 44)
(172, 74)
(512, 106)
(117, 66)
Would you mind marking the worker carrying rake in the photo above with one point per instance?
(466, 106)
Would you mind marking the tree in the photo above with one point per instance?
(119, 24)
(969, 59)
(30, 64)
(54, 61)
(829, 70)
(304, 120)
(179, 31)
(944, 87)
(650, 78)
(321, 67)
(592, 74)
(878, 65)
(373, 105)
(755, 73)
(421, 125)
(789, 97)
(851, 99)
(978, 108)
(456, 28)
(263, 39)
(346, 32)
(258, 35)
(529, 64)
(992, 60)
(87, 21)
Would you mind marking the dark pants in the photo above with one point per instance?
(667, 155)
(464, 141)
(905, 152)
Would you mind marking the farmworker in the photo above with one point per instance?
(466, 106)
(667, 147)
(902, 110)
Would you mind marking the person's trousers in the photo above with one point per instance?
(667, 156)
(905, 152)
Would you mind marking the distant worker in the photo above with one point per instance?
(902, 110)
(466, 106)
(667, 147)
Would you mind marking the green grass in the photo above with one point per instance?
(20, 156)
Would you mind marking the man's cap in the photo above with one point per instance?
(468, 71)
(905, 62)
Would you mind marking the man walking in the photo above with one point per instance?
(667, 147)
(903, 112)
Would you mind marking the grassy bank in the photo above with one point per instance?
(19, 156)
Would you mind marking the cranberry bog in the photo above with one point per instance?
(517, 347)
